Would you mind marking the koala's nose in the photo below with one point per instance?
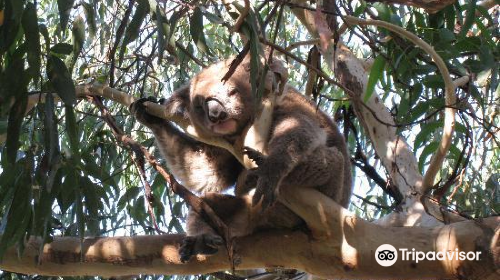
(216, 112)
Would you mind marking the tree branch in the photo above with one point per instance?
(450, 99)
(342, 246)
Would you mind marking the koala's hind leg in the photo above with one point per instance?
(202, 238)
(323, 168)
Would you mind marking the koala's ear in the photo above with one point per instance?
(178, 103)
(278, 67)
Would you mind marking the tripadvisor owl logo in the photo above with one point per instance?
(386, 255)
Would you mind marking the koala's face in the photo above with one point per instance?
(218, 108)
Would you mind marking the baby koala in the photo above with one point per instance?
(304, 149)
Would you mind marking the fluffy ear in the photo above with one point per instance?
(178, 103)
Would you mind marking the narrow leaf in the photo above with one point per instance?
(162, 31)
(12, 11)
(62, 48)
(61, 80)
(72, 131)
(64, 7)
(133, 29)
(16, 117)
(428, 150)
(469, 20)
(375, 75)
(78, 31)
(30, 26)
(45, 33)
(196, 30)
(90, 15)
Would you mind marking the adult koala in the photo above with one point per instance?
(304, 148)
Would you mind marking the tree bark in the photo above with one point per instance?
(395, 154)
(340, 245)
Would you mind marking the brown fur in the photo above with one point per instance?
(305, 149)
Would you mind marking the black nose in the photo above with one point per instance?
(216, 112)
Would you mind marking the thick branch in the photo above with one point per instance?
(450, 99)
(395, 154)
(343, 247)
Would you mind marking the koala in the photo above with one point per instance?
(304, 148)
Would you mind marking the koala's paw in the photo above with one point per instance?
(138, 109)
(265, 193)
(254, 155)
(206, 244)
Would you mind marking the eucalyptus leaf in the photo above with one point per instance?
(375, 75)
(65, 7)
(90, 15)
(31, 32)
(197, 31)
(60, 78)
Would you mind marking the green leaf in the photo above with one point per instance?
(433, 81)
(60, 79)
(90, 15)
(66, 196)
(18, 215)
(130, 193)
(470, 17)
(446, 35)
(72, 131)
(64, 7)
(30, 26)
(9, 30)
(16, 117)
(162, 31)
(486, 57)
(212, 17)
(91, 204)
(196, 30)
(78, 31)
(426, 133)
(174, 19)
(62, 48)
(134, 27)
(375, 75)
(50, 129)
(427, 151)
(45, 33)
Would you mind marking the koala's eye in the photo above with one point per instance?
(232, 92)
(198, 107)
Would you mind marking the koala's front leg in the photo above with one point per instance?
(138, 109)
(260, 178)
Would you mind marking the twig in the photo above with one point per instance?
(242, 16)
(138, 159)
(373, 203)
(119, 33)
(301, 43)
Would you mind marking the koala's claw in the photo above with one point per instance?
(264, 194)
(138, 109)
(206, 244)
(254, 155)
